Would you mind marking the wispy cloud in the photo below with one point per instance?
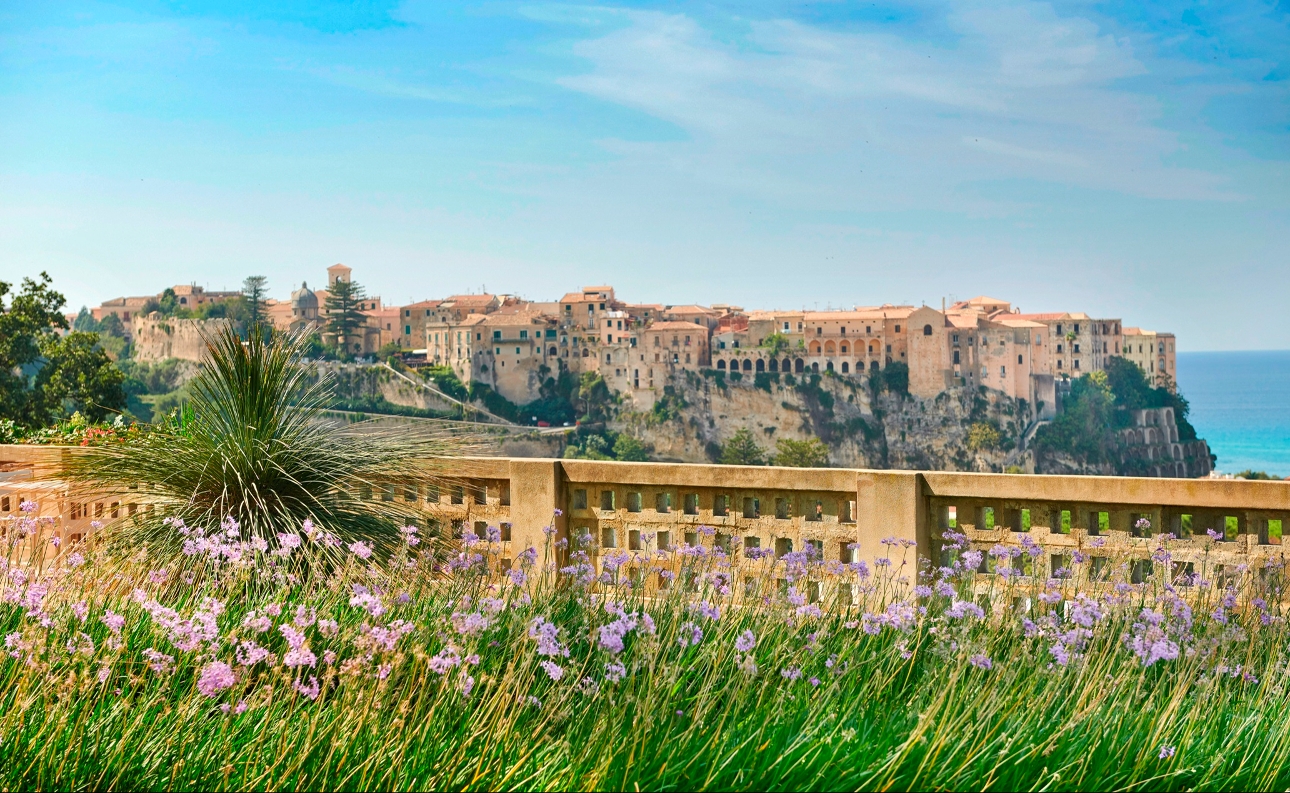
(1020, 92)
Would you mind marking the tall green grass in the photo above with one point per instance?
(845, 699)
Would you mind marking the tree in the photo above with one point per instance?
(343, 315)
(78, 377)
(983, 435)
(254, 289)
(31, 314)
(595, 397)
(44, 376)
(85, 321)
(810, 453)
(630, 450)
(742, 449)
(777, 343)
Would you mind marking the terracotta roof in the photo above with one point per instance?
(677, 325)
(470, 300)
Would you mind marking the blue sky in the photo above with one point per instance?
(1127, 159)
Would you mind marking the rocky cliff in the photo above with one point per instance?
(862, 429)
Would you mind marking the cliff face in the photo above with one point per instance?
(157, 338)
(690, 423)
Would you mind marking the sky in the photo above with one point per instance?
(1126, 160)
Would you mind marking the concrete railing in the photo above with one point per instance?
(844, 513)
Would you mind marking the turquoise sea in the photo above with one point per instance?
(1240, 403)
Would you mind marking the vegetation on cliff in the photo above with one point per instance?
(1098, 405)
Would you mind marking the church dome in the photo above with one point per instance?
(304, 298)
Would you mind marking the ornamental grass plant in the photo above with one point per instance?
(252, 447)
(429, 666)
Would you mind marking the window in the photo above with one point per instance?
(497, 334)
(1019, 360)
(752, 508)
(781, 509)
(927, 330)
(633, 502)
(580, 499)
(815, 510)
(407, 330)
(606, 499)
(524, 334)
(1003, 371)
(663, 502)
(720, 506)
(692, 503)
(898, 329)
(607, 538)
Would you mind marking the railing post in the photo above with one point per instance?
(537, 491)
(891, 504)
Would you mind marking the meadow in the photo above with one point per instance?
(313, 663)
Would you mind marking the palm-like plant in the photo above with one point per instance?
(252, 445)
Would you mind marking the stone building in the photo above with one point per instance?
(1154, 353)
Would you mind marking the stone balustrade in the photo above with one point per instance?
(1223, 527)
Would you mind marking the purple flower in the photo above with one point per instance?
(312, 690)
(552, 670)
(981, 661)
(706, 609)
(361, 549)
(215, 677)
(1167, 752)
(615, 672)
(746, 641)
(963, 608)
(690, 634)
(790, 673)
(114, 622)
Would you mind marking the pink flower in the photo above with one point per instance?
(216, 676)
(81, 610)
(553, 671)
(361, 549)
(312, 690)
(114, 622)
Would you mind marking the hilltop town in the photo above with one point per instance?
(666, 360)
(508, 343)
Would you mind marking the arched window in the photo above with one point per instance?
(552, 351)
(774, 364)
(799, 365)
(829, 348)
(873, 366)
(815, 348)
(721, 364)
(607, 358)
(747, 365)
(761, 365)
(845, 367)
(815, 367)
(586, 353)
(927, 330)
(829, 366)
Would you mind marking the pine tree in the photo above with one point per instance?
(742, 449)
(253, 291)
(343, 315)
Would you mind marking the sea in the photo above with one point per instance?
(1240, 403)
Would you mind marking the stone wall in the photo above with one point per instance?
(157, 338)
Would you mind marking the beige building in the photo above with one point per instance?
(1154, 352)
